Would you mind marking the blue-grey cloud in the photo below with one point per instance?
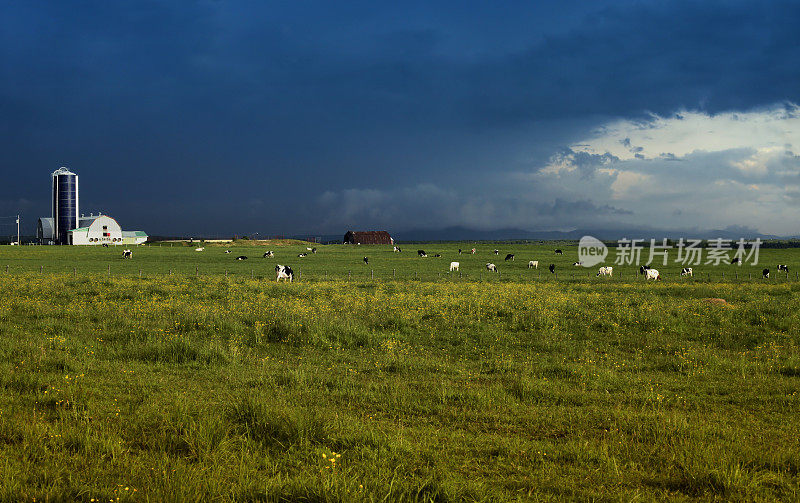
(170, 109)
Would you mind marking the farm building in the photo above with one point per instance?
(65, 227)
(93, 230)
(368, 238)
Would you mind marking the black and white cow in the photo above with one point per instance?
(397, 250)
(643, 269)
(559, 252)
(459, 251)
(269, 254)
(765, 273)
(577, 264)
(105, 245)
(491, 267)
(510, 257)
(241, 257)
(422, 253)
(301, 255)
(552, 268)
(784, 268)
(127, 254)
(227, 251)
(437, 255)
(735, 260)
(284, 272)
(497, 252)
(314, 250)
(366, 260)
(687, 271)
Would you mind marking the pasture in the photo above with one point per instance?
(452, 387)
(343, 262)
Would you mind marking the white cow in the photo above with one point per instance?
(652, 274)
(454, 266)
(491, 267)
(533, 264)
(686, 271)
(284, 272)
(269, 254)
(227, 251)
(606, 271)
(202, 248)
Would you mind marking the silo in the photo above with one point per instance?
(65, 204)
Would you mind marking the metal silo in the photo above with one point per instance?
(65, 204)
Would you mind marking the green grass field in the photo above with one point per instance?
(343, 262)
(176, 387)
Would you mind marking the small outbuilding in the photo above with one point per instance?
(368, 238)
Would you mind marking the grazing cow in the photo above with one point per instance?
(784, 268)
(437, 255)
(301, 255)
(510, 257)
(422, 253)
(105, 245)
(314, 250)
(241, 257)
(652, 274)
(269, 254)
(686, 271)
(606, 271)
(765, 273)
(735, 260)
(284, 272)
(577, 264)
(227, 251)
(396, 250)
(533, 264)
(491, 267)
(202, 248)
(459, 251)
(454, 266)
(309, 249)
(472, 252)
(552, 268)
(643, 269)
(559, 252)
(497, 252)
(127, 254)
(366, 260)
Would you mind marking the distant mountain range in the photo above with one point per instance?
(466, 234)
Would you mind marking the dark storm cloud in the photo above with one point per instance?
(212, 105)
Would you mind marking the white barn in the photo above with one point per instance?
(93, 230)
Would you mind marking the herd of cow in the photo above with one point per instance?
(285, 272)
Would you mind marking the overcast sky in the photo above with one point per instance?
(222, 117)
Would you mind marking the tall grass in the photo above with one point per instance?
(179, 388)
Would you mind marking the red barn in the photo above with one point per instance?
(368, 238)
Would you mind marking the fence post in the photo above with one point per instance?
(226, 273)
(415, 274)
(169, 271)
(196, 271)
(140, 273)
(109, 270)
(371, 274)
(394, 273)
(749, 275)
(348, 275)
(75, 271)
(41, 269)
